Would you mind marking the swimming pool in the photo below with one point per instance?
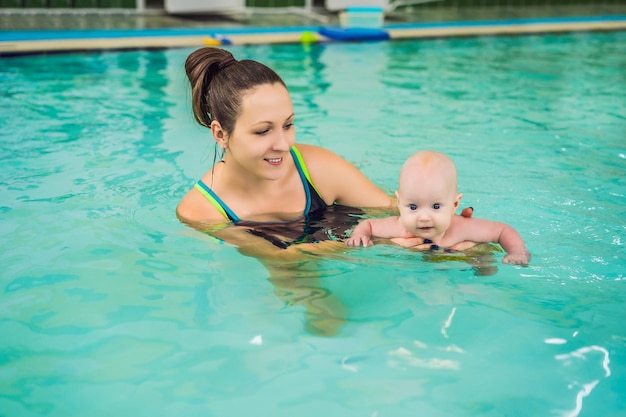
(111, 306)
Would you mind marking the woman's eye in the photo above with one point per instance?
(436, 206)
(262, 132)
(288, 126)
(412, 207)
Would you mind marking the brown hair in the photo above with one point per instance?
(218, 82)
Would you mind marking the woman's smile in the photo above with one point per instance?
(274, 161)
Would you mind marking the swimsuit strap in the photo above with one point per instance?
(297, 157)
(216, 201)
(304, 177)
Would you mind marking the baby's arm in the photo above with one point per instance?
(513, 244)
(388, 227)
(480, 230)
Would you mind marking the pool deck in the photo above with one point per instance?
(180, 33)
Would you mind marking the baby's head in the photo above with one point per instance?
(428, 169)
(427, 193)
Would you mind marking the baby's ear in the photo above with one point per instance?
(467, 211)
(457, 200)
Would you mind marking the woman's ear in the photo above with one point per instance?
(219, 134)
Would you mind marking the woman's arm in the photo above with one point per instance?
(251, 244)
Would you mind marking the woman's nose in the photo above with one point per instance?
(283, 141)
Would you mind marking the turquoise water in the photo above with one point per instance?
(109, 306)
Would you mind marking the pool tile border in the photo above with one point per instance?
(50, 41)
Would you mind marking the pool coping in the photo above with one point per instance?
(55, 41)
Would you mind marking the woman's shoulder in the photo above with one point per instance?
(317, 156)
(195, 208)
(339, 181)
(313, 151)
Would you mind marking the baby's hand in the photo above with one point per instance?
(359, 240)
(519, 258)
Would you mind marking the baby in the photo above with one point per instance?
(427, 201)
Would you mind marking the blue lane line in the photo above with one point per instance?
(33, 35)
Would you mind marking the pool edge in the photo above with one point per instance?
(90, 41)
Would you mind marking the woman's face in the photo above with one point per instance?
(264, 132)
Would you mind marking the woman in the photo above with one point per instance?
(262, 175)
(275, 193)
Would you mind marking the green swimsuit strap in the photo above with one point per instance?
(300, 161)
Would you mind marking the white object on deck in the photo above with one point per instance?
(362, 17)
(189, 6)
(386, 5)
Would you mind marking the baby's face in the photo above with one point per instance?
(427, 206)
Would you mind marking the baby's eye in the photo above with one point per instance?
(436, 206)
(412, 207)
